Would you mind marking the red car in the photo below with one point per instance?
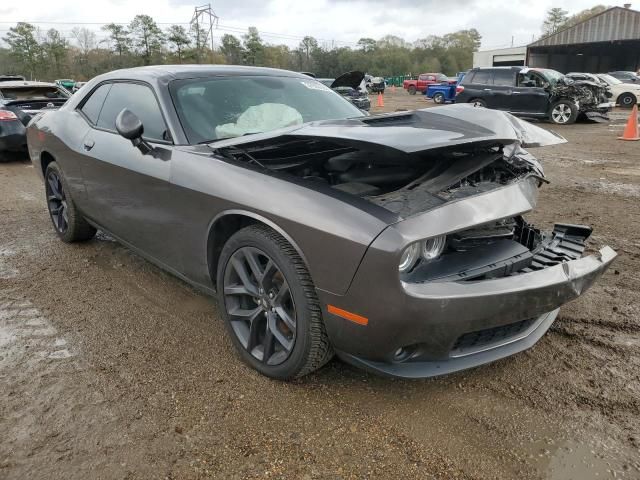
(424, 80)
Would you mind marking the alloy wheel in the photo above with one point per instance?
(561, 113)
(57, 202)
(260, 305)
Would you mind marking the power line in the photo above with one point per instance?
(226, 28)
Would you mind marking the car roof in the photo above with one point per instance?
(165, 73)
(26, 83)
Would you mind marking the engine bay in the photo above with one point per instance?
(399, 182)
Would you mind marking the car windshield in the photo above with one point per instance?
(222, 107)
(552, 76)
(609, 79)
(31, 92)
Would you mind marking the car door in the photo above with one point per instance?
(502, 84)
(482, 82)
(129, 193)
(529, 96)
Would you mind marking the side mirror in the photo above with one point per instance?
(130, 127)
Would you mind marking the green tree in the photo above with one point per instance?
(147, 37)
(584, 15)
(367, 45)
(253, 47)
(24, 47)
(55, 49)
(307, 47)
(555, 19)
(179, 38)
(119, 37)
(232, 49)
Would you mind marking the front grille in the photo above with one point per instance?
(473, 342)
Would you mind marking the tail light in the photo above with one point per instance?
(459, 89)
(7, 115)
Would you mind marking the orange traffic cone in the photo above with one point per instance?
(631, 131)
(380, 100)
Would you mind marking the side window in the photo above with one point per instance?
(141, 101)
(431, 78)
(422, 77)
(483, 77)
(504, 78)
(93, 105)
(530, 79)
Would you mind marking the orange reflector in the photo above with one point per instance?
(352, 317)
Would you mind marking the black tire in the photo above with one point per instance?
(411, 89)
(627, 100)
(439, 98)
(67, 221)
(311, 348)
(478, 102)
(563, 112)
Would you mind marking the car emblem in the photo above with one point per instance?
(50, 105)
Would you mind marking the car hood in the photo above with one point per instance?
(349, 79)
(414, 131)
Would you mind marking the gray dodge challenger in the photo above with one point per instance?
(395, 241)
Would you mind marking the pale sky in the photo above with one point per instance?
(337, 22)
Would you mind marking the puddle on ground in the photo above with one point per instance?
(575, 461)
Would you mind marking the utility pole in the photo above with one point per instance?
(204, 20)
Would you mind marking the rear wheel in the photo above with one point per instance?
(67, 221)
(627, 100)
(563, 112)
(412, 89)
(438, 98)
(478, 102)
(270, 305)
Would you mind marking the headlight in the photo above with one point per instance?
(427, 249)
(433, 247)
(409, 257)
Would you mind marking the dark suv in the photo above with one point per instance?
(534, 92)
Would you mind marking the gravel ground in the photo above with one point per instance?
(112, 369)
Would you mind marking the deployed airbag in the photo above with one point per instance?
(261, 118)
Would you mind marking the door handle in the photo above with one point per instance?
(88, 144)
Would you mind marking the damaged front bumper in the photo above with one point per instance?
(485, 321)
(424, 328)
(600, 113)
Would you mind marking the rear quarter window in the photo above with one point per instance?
(482, 77)
(93, 105)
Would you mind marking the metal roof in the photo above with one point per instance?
(616, 23)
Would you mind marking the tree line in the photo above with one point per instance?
(48, 55)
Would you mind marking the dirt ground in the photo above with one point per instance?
(112, 369)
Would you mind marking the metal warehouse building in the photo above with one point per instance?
(605, 42)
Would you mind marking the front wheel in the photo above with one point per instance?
(563, 112)
(270, 306)
(627, 100)
(411, 90)
(438, 98)
(67, 221)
